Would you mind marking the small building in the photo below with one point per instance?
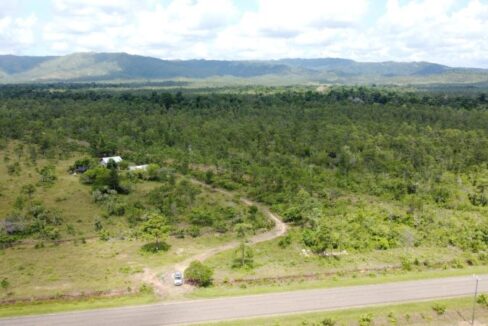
(105, 160)
(138, 167)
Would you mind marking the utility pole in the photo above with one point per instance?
(474, 298)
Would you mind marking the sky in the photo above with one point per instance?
(451, 32)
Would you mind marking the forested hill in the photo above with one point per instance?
(122, 66)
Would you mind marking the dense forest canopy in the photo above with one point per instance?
(303, 152)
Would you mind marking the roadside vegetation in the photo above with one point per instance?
(370, 180)
(443, 312)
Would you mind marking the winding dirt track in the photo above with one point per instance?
(162, 282)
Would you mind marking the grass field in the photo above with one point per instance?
(293, 267)
(457, 312)
(80, 263)
(54, 306)
(74, 268)
(68, 195)
(341, 279)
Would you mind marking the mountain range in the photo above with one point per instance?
(109, 67)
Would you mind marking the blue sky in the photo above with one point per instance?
(451, 32)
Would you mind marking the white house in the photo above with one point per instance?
(138, 167)
(104, 161)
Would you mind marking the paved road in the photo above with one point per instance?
(261, 305)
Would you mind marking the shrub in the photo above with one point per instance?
(440, 195)
(220, 226)
(13, 169)
(440, 309)
(293, 215)
(179, 234)
(115, 206)
(98, 225)
(50, 233)
(381, 243)
(406, 264)
(328, 321)
(4, 284)
(201, 217)
(194, 231)
(154, 247)
(39, 245)
(199, 274)
(478, 199)
(482, 300)
(152, 172)
(366, 320)
(6, 240)
(392, 319)
(47, 175)
(104, 235)
(285, 241)
(209, 177)
(146, 289)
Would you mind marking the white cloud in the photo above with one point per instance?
(276, 15)
(16, 33)
(8, 8)
(433, 30)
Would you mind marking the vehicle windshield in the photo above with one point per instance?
(177, 275)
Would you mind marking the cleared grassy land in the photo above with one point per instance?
(457, 312)
(293, 267)
(80, 263)
(67, 195)
(333, 281)
(71, 268)
(62, 305)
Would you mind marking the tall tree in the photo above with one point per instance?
(155, 228)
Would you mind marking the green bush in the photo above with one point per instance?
(146, 289)
(392, 319)
(366, 320)
(327, 321)
(440, 309)
(293, 215)
(104, 235)
(194, 231)
(4, 284)
(478, 199)
(406, 264)
(285, 241)
(482, 299)
(50, 233)
(47, 175)
(220, 226)
(179, 233)
(199, 274)
(201, 217)
(154, 247)
(14, 169)
(6, 240)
